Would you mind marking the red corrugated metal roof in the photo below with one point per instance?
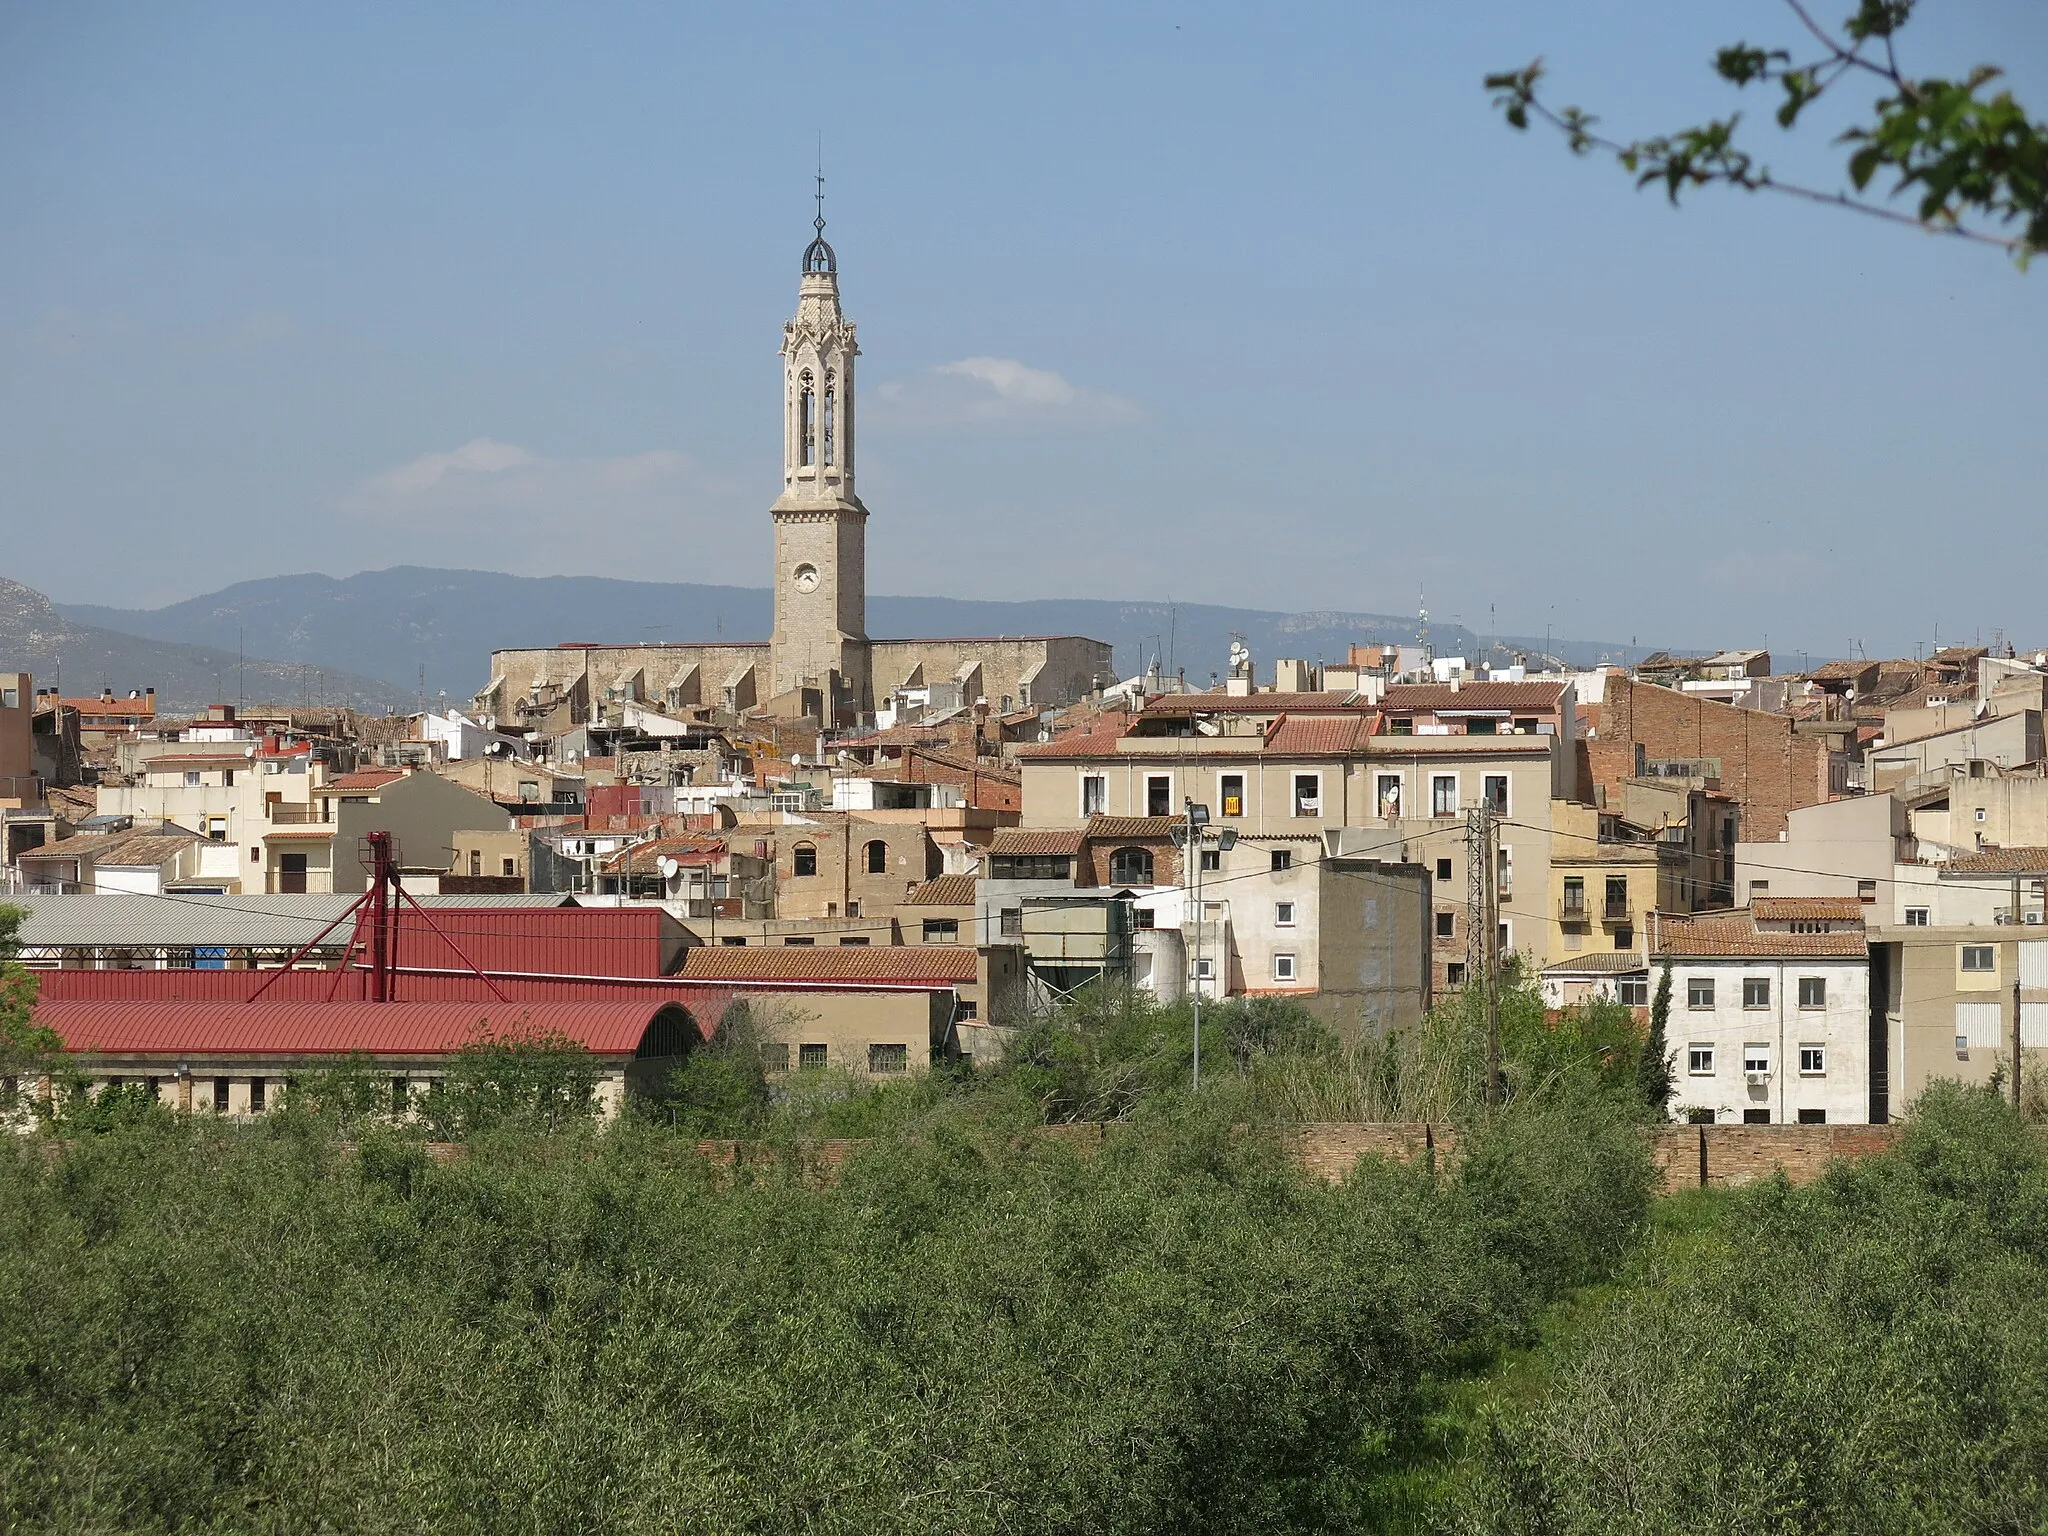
(706, 1001)
(328, 1029)
(935, 965)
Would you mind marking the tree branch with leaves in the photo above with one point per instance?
(1976, 162)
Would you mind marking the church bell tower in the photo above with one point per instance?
(820, 637)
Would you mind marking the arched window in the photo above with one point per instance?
(878, 857)
(1130, 866)
(805, 860)
(831, 414)
(807, 422)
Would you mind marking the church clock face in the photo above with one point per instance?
(805, 578)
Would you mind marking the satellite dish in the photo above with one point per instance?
(667, 866)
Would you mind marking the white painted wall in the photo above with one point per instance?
(1841, 1029)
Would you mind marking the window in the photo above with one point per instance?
(1699, 1060)
(807, 423)
(1446, 925)
(1756, 1117)
(401, 1096)
(1443, 869)
(1493, 789)
(258, 1088)
(1979, 957)
(1525, 725)
(1624, 937)
(1504, 871)
(1813, 991)
(941, 930)
(529, 791)
(1633, 991)
(476, 861)
(216, 829)
(1756, 1056)
(1205, 970)
(1212, 859)
(1916, 917)
(1030, 866)
(1283, 858)
(227, 776)
(1756, 991)
(1699, 992)
(803, 941)
(1813, 1060)
(1699, 1117)
(1443, 794)
(1283, 914)
(1094, 794)
(191, 778)
(220, 1095)
(853, 909)
(966, 1011)
(830, 402)
(511, 869)
(1388, 798)
(1454, 974)
(1283, 967)
(877, 856)
(1813, 1117)
(10, 698)
(1759, 888)
(1482, 726)
(1308, 794)
(1230, 792)
(1143, 919)
(1012, 922)
(854, 941)
(1130, 866)
(1615, 907)
(1866, 890)
(1158, 795)
(732, 942)
(804, 861)
(1402, 727)
(812, 1055)
(1574, 898)
(774, 1057)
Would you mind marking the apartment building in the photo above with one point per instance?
(1771, 1018)
(1952, 997)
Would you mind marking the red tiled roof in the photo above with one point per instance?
(1255, 703)
(1532, 695)
(1034, 840)
(1097, 739)
(644, 858)
(1124, 829)
(1786, 909)
(1998, 861)
(1734, 934)
(945, 891)
(328, 1029)
(361, 781)
(1319, 735)
(911, 965)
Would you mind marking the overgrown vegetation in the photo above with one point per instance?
(313, 1321)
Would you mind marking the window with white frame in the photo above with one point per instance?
(1813, 1060)
(1699, 1059)
(1443, 794)
(1205, 970)
(1756, 991)
(1094, 794)
(1699, 992)
(1756, 1056)
(1230, 794)
(1916, 917)
(1283, 914)
(1283, 967)
(1158, 795)
(1632, 991)
(1493, 789)
(1980, 958)
(1308, 794)
(1813, 991)
(1504, 871)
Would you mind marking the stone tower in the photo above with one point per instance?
(820, 637)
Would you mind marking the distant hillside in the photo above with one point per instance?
(393, 623)
(84, 658)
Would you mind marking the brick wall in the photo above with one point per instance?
(1765, 764)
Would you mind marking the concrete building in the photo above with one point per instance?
(1995, 742)
(1952, 996)
(819, 663)
(1845, 847)
(1771, 1016)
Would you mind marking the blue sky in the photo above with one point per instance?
(1252, 305)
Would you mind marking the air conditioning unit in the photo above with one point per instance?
(2034, 918)
(1757, 1079)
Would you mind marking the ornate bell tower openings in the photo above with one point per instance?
(820, 635)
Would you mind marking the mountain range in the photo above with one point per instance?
(83, 658)
(411, 632)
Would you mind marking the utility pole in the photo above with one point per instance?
(1482, 927)
(1191, 850)
(2015, 1035)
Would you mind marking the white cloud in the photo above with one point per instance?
(997, 391)
(487, 478)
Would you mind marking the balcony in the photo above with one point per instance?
(1572, 909)
(1612, 911)
(281, 815)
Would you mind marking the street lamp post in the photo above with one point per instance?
(1191, 849)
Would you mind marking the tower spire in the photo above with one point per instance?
(818, 256)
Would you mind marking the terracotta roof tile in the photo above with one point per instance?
(1125, 829)
(1599, 962)
(1998, 861)
(1532, 695)
(945, 891)
(929, 965)
(1034, 840)
(1319, 735)
(1734, 934)
(1787, 909)
(1097, 739)
(362, 780)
